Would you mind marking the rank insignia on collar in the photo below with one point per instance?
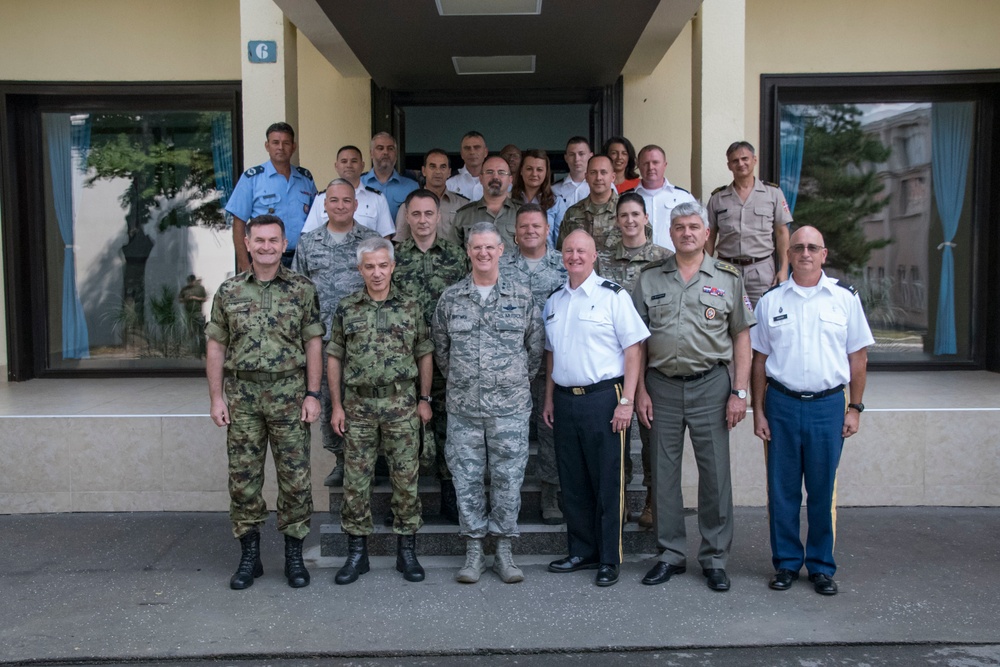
(710, 313)
(714, 291)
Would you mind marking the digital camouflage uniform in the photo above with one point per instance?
(598, 220)
(547, 277)
(617, 266)
(424, 276)
(488, 351)
(264, 327)
(378, 344)
(333, 268)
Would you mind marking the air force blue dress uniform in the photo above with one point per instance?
(262, 189)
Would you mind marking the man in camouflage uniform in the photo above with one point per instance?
(541, 270)
(379, 346)
(425, 265)
(265, 328)
(328, 256)
(488, 340)
(622, 263)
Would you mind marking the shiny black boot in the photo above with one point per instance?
(406, 558)
(295, 569)
(250, 566)
(357, 560)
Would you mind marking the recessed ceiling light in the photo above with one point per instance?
(488, 7)
(494, 64)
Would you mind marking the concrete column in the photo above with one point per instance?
(718, 90)
(270, 90)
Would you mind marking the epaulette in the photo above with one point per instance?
(465, 206)
(770, 184)
(371, 189)
(305, 172)
(771, 289)
(615, 287)
(625, 192)
(719, 189)
(850, 288)
(727, 267)
(458, 194)
(683, 190)
(555, 290)
(653, 264)
(253, 171)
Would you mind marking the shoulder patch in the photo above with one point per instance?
(615, 287)
(850, 288)
(371, 189)
(770, 184)
(719, 189)
(305, 172)
(653, 265)
(253, 171)
(728, 268)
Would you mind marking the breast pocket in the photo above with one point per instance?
(833, 327)
(714, 311)
(356, 327)
(763, 217)
(239, 315)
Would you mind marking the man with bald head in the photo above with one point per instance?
(593, 357)
(810, 354)
(495, 206)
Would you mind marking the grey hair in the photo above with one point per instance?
(340, 181)
(375, 244)
(484, 228)
(688, 209)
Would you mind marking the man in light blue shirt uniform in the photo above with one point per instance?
(383, 176)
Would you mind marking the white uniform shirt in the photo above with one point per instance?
(659, 204)
(570, 191)
(587, 331)
(807, 334)
(373, 212)
(465, 184)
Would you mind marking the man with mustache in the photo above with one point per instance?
(495, 206)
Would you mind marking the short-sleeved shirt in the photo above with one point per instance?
(477, 211)
(571, 191)
(623, 267)
(659, 203)
(807, 333)
(450, 202)
(373, 212)
(262, 189)
(332, 266)
(692, 325)
(265, 325)
(465, 184)
(547, 276)
(395, 189)
(424, 275)
(379, 341)
(588, 329)
(745, 230)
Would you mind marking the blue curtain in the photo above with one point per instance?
(222, 155)
(951, 140)
(793, 132)
(58, 134)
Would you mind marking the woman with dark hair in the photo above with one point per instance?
(533, 185)
(622, 154)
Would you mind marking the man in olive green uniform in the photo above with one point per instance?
(379, 347)
(495, 206)
(749, 221)
(425, 265)
(699, 319)
(265, 328)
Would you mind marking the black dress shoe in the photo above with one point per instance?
(661, 573)
(607, 575)
(823, 583)
(716, 579)
(782, 580)
(572, 564)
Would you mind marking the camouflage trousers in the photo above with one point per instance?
(547, 471)
(502, 443)
(262, 412)
(390, 425)
(440, 423)
(331, 441)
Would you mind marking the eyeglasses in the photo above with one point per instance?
(799, 248)
(491, 173)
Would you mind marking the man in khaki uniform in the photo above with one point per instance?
(435, 170)
(699, 319)
(495, 206)
(749, 222)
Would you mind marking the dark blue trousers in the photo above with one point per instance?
(589, 456)
(805, 444)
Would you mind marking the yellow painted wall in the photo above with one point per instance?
(804, 36)
(657, 109)
(119, 40)
(333, 111)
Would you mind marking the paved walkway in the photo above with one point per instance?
(153, 587)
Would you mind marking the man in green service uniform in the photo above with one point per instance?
(265, 328)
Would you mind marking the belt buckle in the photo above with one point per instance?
(380, 392)
(579, 391)
(807, 397)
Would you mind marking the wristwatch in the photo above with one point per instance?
(313, 394)
(426, 398)
(624, 401)
(739, 393)
(860, 407)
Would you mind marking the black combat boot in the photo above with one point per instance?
(406, 558)
(449, 501)
(295, 569)
(357, 560)
(250, 566)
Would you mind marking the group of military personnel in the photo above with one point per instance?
(576, 311)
